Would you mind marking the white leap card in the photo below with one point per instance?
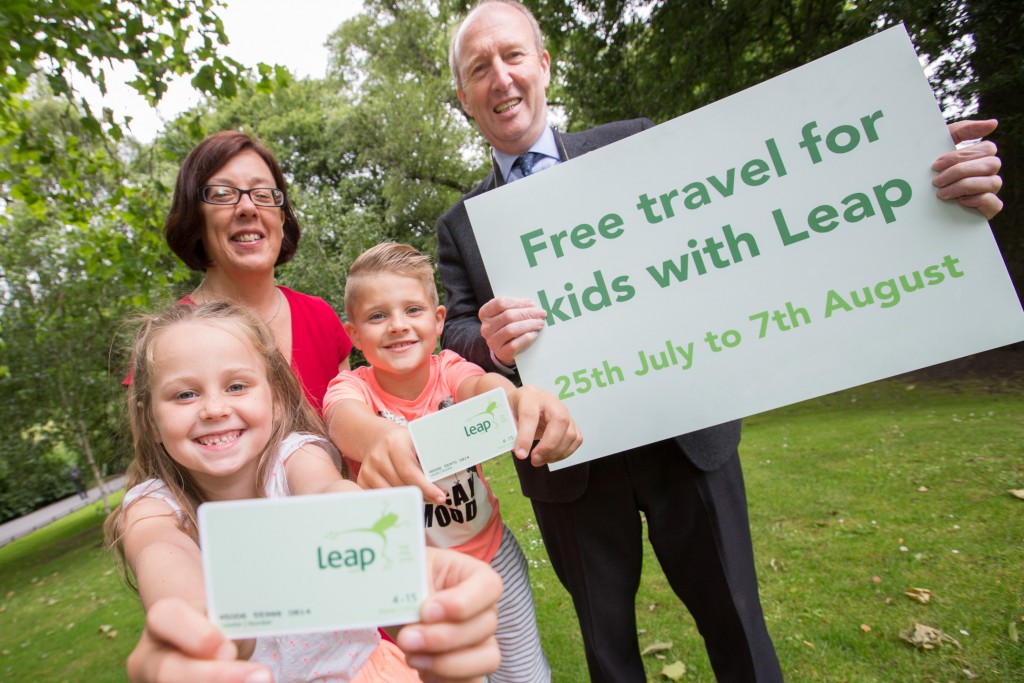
(314, 563)
(464, 434)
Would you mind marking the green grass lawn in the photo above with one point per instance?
(65, 615)
(855, 498)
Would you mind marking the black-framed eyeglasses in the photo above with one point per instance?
(225, 195)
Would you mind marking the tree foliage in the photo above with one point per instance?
(997, 63)
(81, 211)
(376, 150)
(625, 58)
(69, 274)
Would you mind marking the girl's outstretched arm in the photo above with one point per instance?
(168, 570)
(311, 469)
(180, 644)
(454, 641)
(165, 561)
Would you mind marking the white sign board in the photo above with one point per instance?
(780, 244)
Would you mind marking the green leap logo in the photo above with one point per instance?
(351, 557)
(483, 426)
(363, 557)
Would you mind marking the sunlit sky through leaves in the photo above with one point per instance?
(291, 33)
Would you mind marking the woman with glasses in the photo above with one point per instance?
(231, 219)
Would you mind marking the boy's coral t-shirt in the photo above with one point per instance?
(469, 520)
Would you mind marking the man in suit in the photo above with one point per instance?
(690, 488)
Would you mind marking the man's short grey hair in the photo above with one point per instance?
(453, 44)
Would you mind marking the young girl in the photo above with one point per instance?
(217, 414)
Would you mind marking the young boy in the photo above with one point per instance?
(394, 318)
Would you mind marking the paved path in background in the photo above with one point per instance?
(22, 526)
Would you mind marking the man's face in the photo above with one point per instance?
(504, 77)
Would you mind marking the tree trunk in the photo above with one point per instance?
(998, 65)
(83, 441)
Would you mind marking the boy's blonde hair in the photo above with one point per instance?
(292, 412)
(390, 258)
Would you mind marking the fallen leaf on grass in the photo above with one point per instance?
(106, 628)
(922, 489)
(1017, 493)
(111, 635)
(968, 674)
(809, 644)
(922, 595)
(656, 647)
(876, 579)
(925, 637)
(674, 671)
(865, 628)
(651, 607)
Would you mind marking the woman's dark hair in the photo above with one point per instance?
(183, 228)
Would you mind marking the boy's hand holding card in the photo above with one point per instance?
(314, 563)
(465, 434)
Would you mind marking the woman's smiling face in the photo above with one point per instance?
(243, 237)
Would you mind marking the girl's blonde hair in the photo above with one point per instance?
(292, 412)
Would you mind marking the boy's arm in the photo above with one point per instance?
(383, 448)
(539, 415)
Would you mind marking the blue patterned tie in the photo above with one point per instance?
(524, 164)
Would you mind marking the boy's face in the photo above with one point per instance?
(394, 322)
